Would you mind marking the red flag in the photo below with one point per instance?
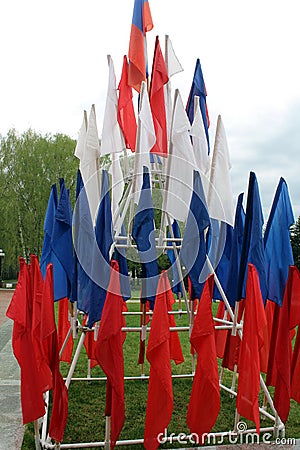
(232, 346)
(175, 346)
(63, 329)
(288, 319)
(295, 371)
(126, 116)
(141, 24)
(109, 353)
(37, 286)
(204, 405)
(265, 350)
(20, 310)
(90, 345)
(157, 101)
(220, 335)
(252, 341)
(59, 414)
(160, 393)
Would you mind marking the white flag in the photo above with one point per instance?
(112, 140)
(145, 141)
(89, 164)
(117, 182)
(173, 67)
(200, 145)
(79, 149)
(220, 198)
(181, 165)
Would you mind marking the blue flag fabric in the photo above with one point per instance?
(62, 242)
(53, 232)
(193, 250)
(120, 257)
(143, 234)
(253, 245)
(278, 249)
(48, 229)
(84, 243)
(100, 255)
(236, 250)
(198, 88)
(176, 285)
(223, 257)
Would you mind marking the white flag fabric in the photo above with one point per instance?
(181, 165)
(173, 67)
(172, 62)
(145, 141)
(117, 182)
(79, 149)
(112, 140)
(200, 146)
(89, 163)
(220, 198)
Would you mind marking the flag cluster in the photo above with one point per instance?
(35, 346)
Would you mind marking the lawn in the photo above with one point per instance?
(86, 421)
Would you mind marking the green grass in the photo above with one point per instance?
(86, 420)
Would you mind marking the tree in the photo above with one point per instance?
(295, 241)
(29, 164)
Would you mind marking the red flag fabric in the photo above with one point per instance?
(109, 353)
(63, 327)
(59, 414)
(141, 24)
(220, 335)
(126, 115)
(175, 345)
(295, 371)
(160, 392)
(20, 311)
(232, 346)
(36, 289)
(204, 405)
(252, 341)
(157, 101)
(265, 350)
(90, 345)
(288, 319)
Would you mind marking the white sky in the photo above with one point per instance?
(54, 66)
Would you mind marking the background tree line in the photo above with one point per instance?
(29, 164)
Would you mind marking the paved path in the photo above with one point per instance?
(11, 428)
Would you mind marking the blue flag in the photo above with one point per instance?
(143, 234)
(100, 255)
(235, 254)
(198, 88)
(193, 250)
(52, 241)
(48, 229)
(62, 242)
(278, 249)
(84, 243)
(223, 257)
(176, 285)
(253, 245)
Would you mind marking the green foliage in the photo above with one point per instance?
(295, 241)
(29, 164)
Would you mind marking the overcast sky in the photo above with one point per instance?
(54, 65)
